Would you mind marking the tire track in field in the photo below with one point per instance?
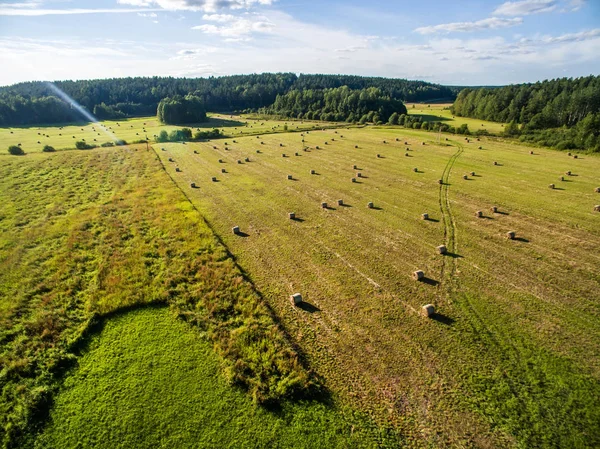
(449, 222)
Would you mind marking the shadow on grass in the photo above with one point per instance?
(308, 307)
(299, 220)
(242, 234)
(376, 208)
(440, 318)
(521, 239)
(453, 255)
(434, 220)
(502, 213)
(431, 118)
(558, 188)
(430, 281)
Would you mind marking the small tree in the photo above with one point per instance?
(393, 120)
(16, 150)
(48, 149)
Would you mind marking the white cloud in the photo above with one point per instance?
(525, 7)
(235, 28)
(150, 14)
(49, 12)
(198, 5)
(484, 24)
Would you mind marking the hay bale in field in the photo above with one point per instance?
(353, 179)
(317, 147)
(531, 152)
(171, 159)
(379, 155)
(597, 190)
(424, 216)
(355, 146)
(297, 154)
(597, 208)
(405, 143)
(481, 148)
(422, 143)
(257, 151)
(418, 275)
(370, 205)
(280, 144)
(416, 170)
(442, 249)
(220, 161)
(313, 172)
(324, 205)
(568, 173)
(551, 186)
(495, 163)
(479, 214)
(575, 157)
(354, 167)
(283, 155)
(569, 154)
(239, 161)
(235, 229)
(465, 177)
(223, 170)
(397, 140)
(407, 149)
(290, 177)
(292, 215)
(494, 209)
(406, 154)
(428, 310)
(214, 147)
(213, 179)
(562, 178)
(247, 159)
(340, 202)
(262, 143)
(358, 174)
(440, 181)
(177, 169)
(472, 173)
(193, 185)
(384, 141)
(226, 148)
(296, 299)
(195, 152)
(511, 235)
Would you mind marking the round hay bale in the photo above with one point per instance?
(568, 173)
(465, 177)
(353, 179)
(481, 148)
(569, 154)
(171, 159)
(313, 172)
(428, 310)
(257, 151)
(247, 159)
(193, 185)
(235, 229)
(323, 205)
(223, 170)
(178, 169)
(355, 146)
(290, 177)
(239, 161)
(292, 215)
(282, 154)
(354, 167)
(416, 170)
(495, 163)
(597, 208)
(297, 154)
(370, 205)
(597, 190)
(220, 161)
(472, 173)
(340, 202)
(562, 178)
(406, 154)
(296, 299)
(418, 275)
(405, 143)
(575, 157)
(511, 235)
(440, 181)
(551, 186)
(494, 209)
(317, 147)
(262, 143)
(531, 152)
(214, 147)
(424, 216)
(442, 249)
(479, 214)
(358, 174)
(422, 143)
(195, 152)
(213, 179)
(280, 144)
(378, 155)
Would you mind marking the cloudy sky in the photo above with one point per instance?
(466, 42)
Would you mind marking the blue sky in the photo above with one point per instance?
(468, 42)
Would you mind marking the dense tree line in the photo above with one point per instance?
(36, 102)
(178, 109)
(337, 104)
(563, 112)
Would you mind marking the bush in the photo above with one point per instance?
(107, 144)
(48, 149)
(16, 150)
(81, 145)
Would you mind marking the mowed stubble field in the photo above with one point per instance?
(512, 357)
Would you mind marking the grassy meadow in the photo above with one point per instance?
(510, 359)
(440, 112)
(512, 356)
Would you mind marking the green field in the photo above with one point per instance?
(34, 139)
(440, 112)
(511, 359)
(149, 380)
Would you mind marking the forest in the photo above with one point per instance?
(563, 113)
(337, 104)
(36, 102)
